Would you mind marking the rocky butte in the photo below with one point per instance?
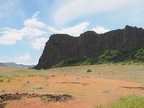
(61, 47)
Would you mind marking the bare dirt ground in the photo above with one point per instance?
(103, 84)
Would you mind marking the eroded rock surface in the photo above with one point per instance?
(44, 97)
(63, 47)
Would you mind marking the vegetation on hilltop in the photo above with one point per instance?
(114, 46)
(114, 56)
(74, 62)
(109, 56)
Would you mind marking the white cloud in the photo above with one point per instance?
(32, 28)
(39, 43)
(78, 29)
(100, 30)
(20, 59)
(73, 31)
(23, 57)
(74, 9)
(34, 22)
(10, 36)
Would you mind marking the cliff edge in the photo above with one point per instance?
(62, 47)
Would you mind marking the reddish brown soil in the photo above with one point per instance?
(87, 91)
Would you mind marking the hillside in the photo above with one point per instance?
(90, 45)
(12, 64)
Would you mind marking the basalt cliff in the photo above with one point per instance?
(61, 47)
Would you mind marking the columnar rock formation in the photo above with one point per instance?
(62, 46)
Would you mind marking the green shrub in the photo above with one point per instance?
(58, 65)
(53, 75)
(139, 55)
(108, 56)
(74, 62)
(124, 57)
(38, 87)
(26, 83)
(89, 70)
(131, 101)
(8, 80)
(3, 89)
(44, 98)
(1, 79)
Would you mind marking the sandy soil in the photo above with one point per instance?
(88, 89)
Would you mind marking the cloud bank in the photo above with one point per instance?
(100, 30)
(73, 31)
(20, 59)
(23, 57)
(78, 29)
(37, 32)
(39, 43)
(32, 28)
(74, 9)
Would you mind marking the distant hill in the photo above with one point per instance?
(12, 64)
(90, 47)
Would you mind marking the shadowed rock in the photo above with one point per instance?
(62, 47)
(44, 97)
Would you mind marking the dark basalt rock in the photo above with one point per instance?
(44, 97)
(58, 48)
(63, 47)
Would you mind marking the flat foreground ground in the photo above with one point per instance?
(104, 83)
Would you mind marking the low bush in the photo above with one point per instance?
(124, 57)
(74, 62)
(131, 101)
(89, 70)
(1, 79)
(109, 56)
(38, 87)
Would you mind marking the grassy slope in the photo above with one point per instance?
(109, 71)
(135, 56)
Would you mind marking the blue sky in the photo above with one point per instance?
(25, 25)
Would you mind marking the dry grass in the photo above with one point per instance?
(111, 71)
(103, 84)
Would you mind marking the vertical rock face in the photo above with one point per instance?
(133, 36)
(63, 47)
(59, 47)
(87, 42)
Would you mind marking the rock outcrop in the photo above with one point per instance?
(48, 98)
(62, 46)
